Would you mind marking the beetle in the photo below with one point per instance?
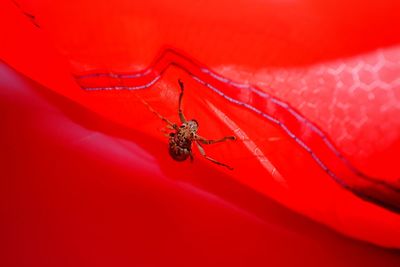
(184, 135)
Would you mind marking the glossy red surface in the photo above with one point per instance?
(72, 197)
(101, 185)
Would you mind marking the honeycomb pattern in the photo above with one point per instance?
(344, 97)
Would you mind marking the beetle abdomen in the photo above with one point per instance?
(178, 153)
(179, 147)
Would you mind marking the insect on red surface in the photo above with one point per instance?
(183, 136)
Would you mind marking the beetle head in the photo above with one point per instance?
(193, 125)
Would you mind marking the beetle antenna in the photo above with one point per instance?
(173, 125)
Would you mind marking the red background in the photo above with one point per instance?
(89, 181)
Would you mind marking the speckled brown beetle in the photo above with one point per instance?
(180, 141)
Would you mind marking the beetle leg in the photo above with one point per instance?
(203, 153)
(191, 156)
(170, 124)
(165, 132)
(181, 115)
(164, 119)
(172, 127)
(210, 141)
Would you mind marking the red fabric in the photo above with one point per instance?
(332, 66)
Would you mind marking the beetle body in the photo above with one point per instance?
(183, 136)
(180, 141)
